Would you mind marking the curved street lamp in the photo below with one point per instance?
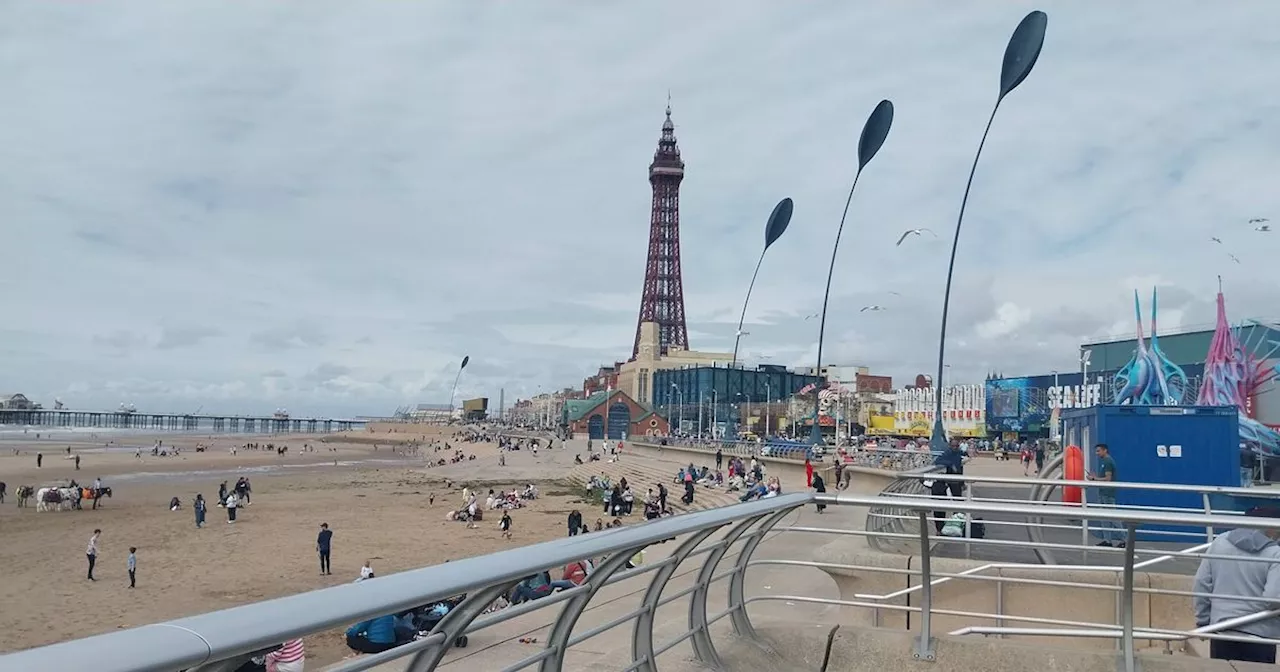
(874, 133)
(1019, 58)
(777, 224)
(465, 360)
(773, 230)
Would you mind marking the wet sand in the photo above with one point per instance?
(378, 510)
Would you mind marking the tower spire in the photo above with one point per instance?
(662, 300)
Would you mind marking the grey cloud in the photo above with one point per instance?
(185, 337)
(301, 335)
(315, 208)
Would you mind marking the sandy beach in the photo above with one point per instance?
(374, 493)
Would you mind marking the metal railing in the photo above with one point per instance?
(224, 639)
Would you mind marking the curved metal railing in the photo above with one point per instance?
(221, 640)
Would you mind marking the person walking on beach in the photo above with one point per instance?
(719, 458)
(232, 503)
(39, 459)
(324, 543)
(505, 525)
(200, 507)
(92, 552)
(222, 494)
(77, 463)
(133, 566)
(575, 522)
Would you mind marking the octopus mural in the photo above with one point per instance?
(1150, 378)
(1234, 372)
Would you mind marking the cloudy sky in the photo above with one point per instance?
(325, 205)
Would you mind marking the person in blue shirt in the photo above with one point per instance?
(1109, 531)
(374, 635)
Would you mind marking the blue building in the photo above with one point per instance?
(1022, 407)
(717, 391)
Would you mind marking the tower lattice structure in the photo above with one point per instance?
(663, 298)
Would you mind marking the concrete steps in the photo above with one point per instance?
(644, 474)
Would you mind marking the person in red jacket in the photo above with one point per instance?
(808, 473)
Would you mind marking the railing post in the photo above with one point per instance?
(923, 649)
(737, 582)
(642, 631)
(455, 623)
(703, 648)
(1208, 510)
(558, 639)
(1084, 524)
(1126, 600)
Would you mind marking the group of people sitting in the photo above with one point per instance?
(514, 499)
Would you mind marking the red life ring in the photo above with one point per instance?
(1072, 470)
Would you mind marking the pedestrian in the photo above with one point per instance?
(200, 507)
(1039, 456)
(505, 525)
(92, 552)
(575, 522)
(808, 473)
(820, 487)
(133, 566)
(1106, 496)
(719, 457)
(232, 503)
(39, 459)
(1227, 588)
(324, 543)
(77, 463)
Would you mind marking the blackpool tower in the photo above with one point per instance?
(663, 298)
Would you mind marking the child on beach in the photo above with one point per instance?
(505, 525)
(133, 566)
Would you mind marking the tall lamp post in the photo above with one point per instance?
(680, 408)
(768, 406)
(465, 360)
(1019, 58)
(872, 139)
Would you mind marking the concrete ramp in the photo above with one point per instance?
(843, 648)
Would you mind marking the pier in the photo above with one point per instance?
(175, 422)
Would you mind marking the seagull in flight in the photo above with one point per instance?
(1258, 220)
(875, 309)
(915, 232)
(1233, 257)
(813, 316)
(1265, 228)
(1216, 239)
(895, 293)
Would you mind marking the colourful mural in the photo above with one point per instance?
(1234, 372)
(1150, 378)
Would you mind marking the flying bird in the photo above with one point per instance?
(1216, 239)
(871, 308)
(1265, 228)
(915, 232)
(1233, 257)
(1258, 220)
(895, 293)
(813, 316)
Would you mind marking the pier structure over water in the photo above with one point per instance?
(182, 422)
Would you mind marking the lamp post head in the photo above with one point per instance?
(779, 219)
(465, 360)
(874, 133)
(1023, 50)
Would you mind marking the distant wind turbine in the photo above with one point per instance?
(914, 232)
(874, 309)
